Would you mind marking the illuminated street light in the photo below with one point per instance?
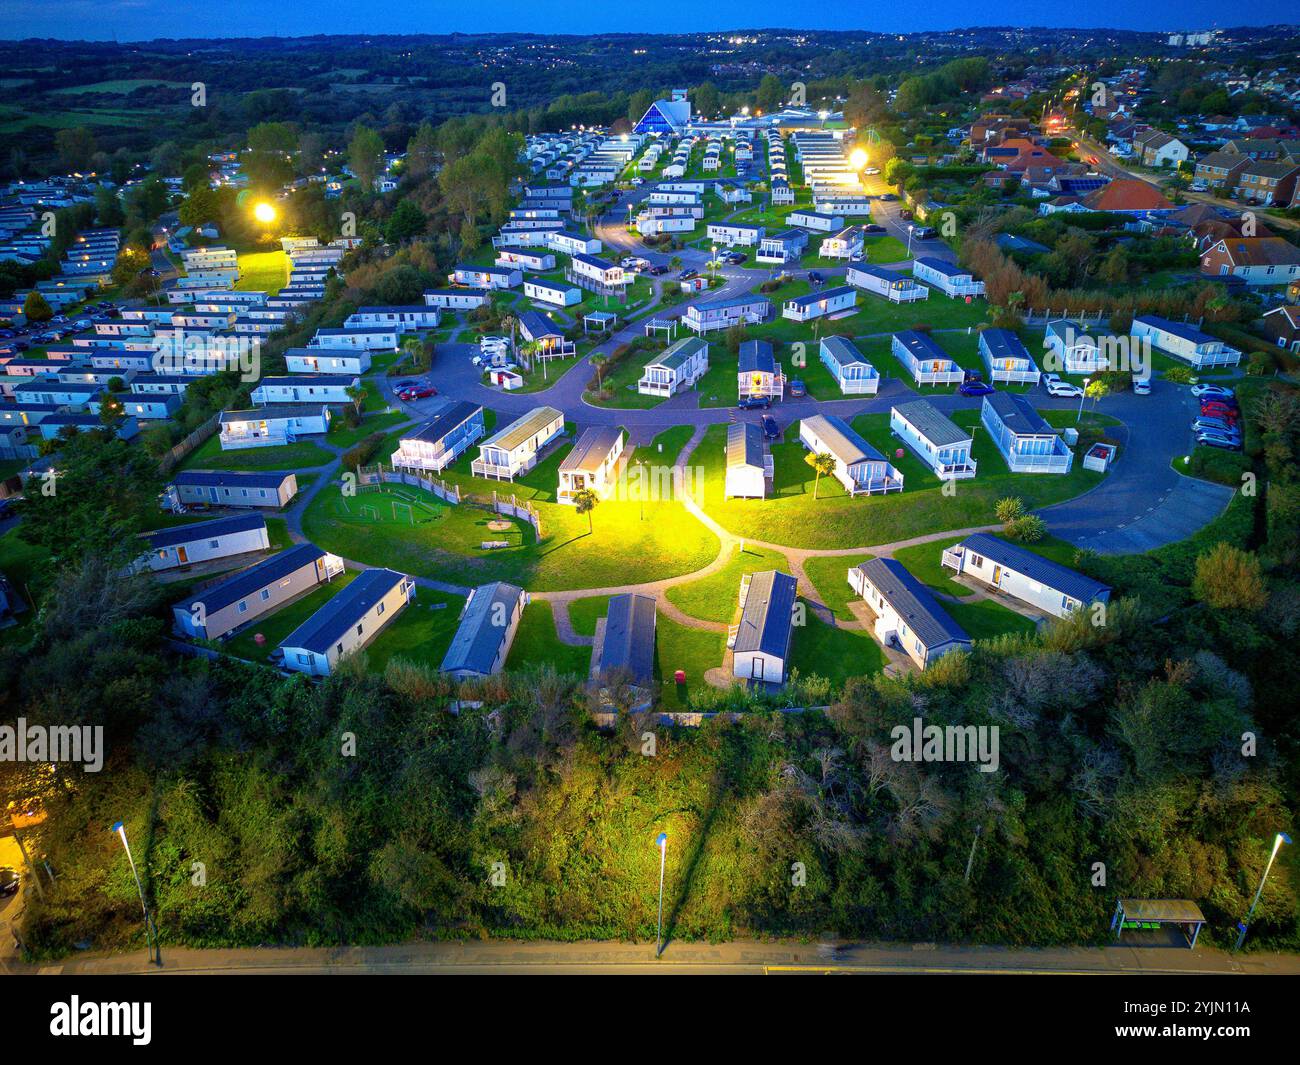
(264, 212)
(662, 843)
(857, 158)
(1281, 838)
(150, 933)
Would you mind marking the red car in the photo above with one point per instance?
(1218, 406)
(1226, 414)
(424, 392)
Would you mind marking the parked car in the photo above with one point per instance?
(890, 196)
(657, 271)
(1210, 390)
(975, 387)
(687, 274)
(797, 390)
(404, 384)
(422, 392)
(1227, 443)
(1220, 410)
(755, 403)
(1214, 425)
(1064, 389)
(1142, 386)
(872, 227)
(735, 258)
(770, 429)
(9, 881)
(905, 215)
(925, 233)
(872, 171)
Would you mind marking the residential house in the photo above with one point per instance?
(859, 467)
(1023, 438)
(939, 442)
(347, 622)
(1256, 260)
(593, 463)
(271, 426)
(893, 286)
(1282, 326)
(759, 372)
(488, 623)
(1184, 341)
(1006, 358)
(1219, 170)
(1155, 148)
(437, 443)
(760, 642)
(1024, 574)
(624, 647)
(332, 361)
(675, 369)
(316, 388)
(749, 467)
(816, 304)
(221, 608)
(1268, 183)
(922, 357)
(516, 448)
(1127, 196)
(908, 616)
(231, 488)
(948, 278)
(852, 372)
(203, 541)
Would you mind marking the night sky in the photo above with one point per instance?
(146, 19)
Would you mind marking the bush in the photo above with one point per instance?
(363, 452)
(1009, 508)
(1027, 528)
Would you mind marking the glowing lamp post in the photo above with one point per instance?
(150, 934)
(264, 212)
(661, 841)
(1281, 838)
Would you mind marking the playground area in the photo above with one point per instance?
(390, 505)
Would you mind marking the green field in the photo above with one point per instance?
(826, 651)
(716, 597)
(260, 271)
(536, 644)
(829, 575)
(300, 454)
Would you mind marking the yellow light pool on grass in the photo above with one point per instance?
(857, 159)
(264, 212)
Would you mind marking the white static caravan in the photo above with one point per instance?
(271, 426)
(893, 286)
(348, 621)
(231, 488)
(731, 235)
(652, 225)
(760, 641)
(558, 293)
(1184, 341)
(907, 614)
(316, 388)
(593, 463)
(852, 372)
(525, 259)
(1023, 436)
(516, 448)
(411, 317)
(859, 467)
(816, 221)
(326, 360)
(491, 277)
(455, 299)
(487, 628)
(815, 304)
(366, 338)
(936, 439)
(1022, 574)
(598, 271)
(675, 369)
(1072, 349)
(573, 243)
(922, 357)
(1006, 358)
(203, 541)
(948, 278)
(750, 468)
(845, 244)
(708, 316)
(436, 444)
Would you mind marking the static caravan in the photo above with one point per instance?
(222, 608)
(203, 541)
(160, 384)
(487, 628)
(781, 248)
(1184, 341)
(560, 294)
(436, 444)
(516, 448)
(710, 315)
(649, 224)
(759, 373)
(948, 278)
(624, 646)
(816, 221)
(908, 616)
(455, 299)
(1023, 438)
(1071, 349)
(1025, 575)
(859, 467)
(749, 467)
(41, 391)
(348, 622)
(490, 277)
(399, 319)
(675, 369)
(829, 301)
(150, 408)
(922, 357)
(271, 426)
(326, 361)
(316, 388)
(573, 243)
(893, 286)
(1006, 358)
(232, 488)
(596, 272)
(592, 464)
(939, 442)
(362, 338)
(525, 259)
(760, 642)
(846, 244)
(852, 372)
(731, 235)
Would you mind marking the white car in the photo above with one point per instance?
(1049, 379)
(1210, 390)
(1064, 389)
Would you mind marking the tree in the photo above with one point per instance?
(584, 502)
(108, 208)
(357, 394)
(822, 462)
(1008, 509)
(420, 151)
(864, 106)
(36, 308)
(706, 99)
(1027, 528)
(365, 155)
(405, 223)
(897, 171)
(771, 93)
(75, 146)
(1228, 578)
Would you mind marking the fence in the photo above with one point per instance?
(517, 509)
(1033, 317)
(200, 435)
(608, 719)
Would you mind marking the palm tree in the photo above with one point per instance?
(509, 321)
(584, 502)
(357, 394)
(821, 462)
(530, 351)
(599, 361)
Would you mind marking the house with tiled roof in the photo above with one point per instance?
(1127, 196)
(1256, 260)
(1282, 326)
(1268, 182)
(1157, 148)
(1219, 169)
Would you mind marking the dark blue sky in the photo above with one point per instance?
(146, 19)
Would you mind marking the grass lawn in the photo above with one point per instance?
(836, 654)
(260, 271)
(716, 597)
(537, 644)
(421, 633)
(622, 383)
(835, 520)
(374, 422)
(985, 619)
(584, 613)
(665, 448)
(694, 651)
(298, 455)
(829, 575)
(275, 627)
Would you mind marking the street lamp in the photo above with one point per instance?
(1082, 396)
(662, 843)
(150, 933)
(910, 227)
(640, 476)
(1281, 838)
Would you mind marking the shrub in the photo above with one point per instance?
(363, 451)
(1009, 508)
(1027, 528)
